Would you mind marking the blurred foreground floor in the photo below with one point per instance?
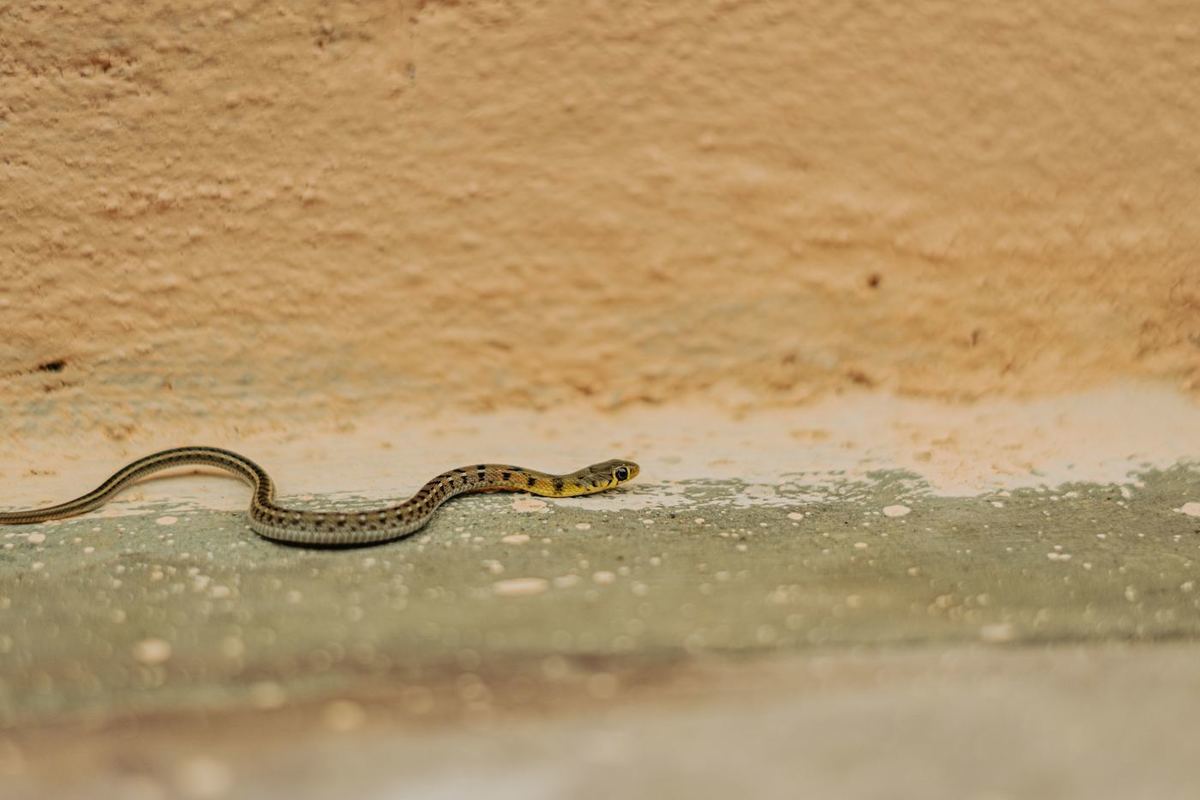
(963, 722)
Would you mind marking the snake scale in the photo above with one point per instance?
(340, 528)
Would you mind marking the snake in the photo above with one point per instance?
(294, 526)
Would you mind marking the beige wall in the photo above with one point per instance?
(221, 208)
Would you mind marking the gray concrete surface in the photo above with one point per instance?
(1023, 645)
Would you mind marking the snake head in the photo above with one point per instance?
(624, 471)
(608, 474)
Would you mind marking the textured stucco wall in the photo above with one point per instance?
(217, 208)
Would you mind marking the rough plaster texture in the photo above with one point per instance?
(218, 208)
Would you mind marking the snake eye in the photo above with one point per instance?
(621, 473)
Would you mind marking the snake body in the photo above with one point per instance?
(340, 528)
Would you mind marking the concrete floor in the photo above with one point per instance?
(870, 640)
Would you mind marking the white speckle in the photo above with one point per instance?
(1187, 586)
(795, 515)
(1191, 509)
(204, 777)
(36, 538)
(515, 538)
(583, 526)
(699, 520)
(37, 565)
(233, 647)
(999, 632)
(267, 694)
(647, 522)
(343, 715)
(166, 520)
(997, 504)
(860, 545)
(604, 577)
(152, 651)
(529, 504)
(1131, 594)
(896, 511)
(515, 587)
(565, 581)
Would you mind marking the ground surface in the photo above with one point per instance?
(858, 632)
